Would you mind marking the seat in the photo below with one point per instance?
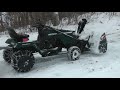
(23, 35)
(14, 35)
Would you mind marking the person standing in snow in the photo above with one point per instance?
(81, 26)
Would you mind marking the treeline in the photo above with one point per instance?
(22, 19)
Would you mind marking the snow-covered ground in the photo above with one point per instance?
(89, 65)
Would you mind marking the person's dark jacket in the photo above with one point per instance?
(81, 26)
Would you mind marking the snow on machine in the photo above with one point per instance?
(50, 42)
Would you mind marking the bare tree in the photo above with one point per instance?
(22, 19)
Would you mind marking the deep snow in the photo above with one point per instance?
(89, 65)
